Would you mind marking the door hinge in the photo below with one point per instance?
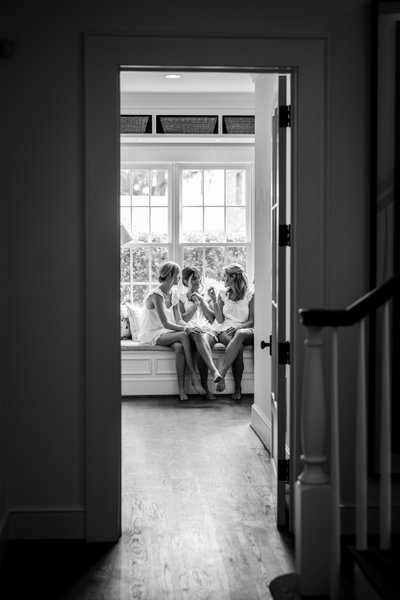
(284, 353)
(284, 235)
(283, 470)
(285, 116)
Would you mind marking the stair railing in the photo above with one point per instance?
(317, 490)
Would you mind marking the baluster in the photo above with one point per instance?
(335, 473)
(361, 443)
(385, 437)
(312, 492)
(313, 415)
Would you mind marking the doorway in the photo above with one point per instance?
(105, 56)
(195, 132)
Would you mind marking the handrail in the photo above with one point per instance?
(343, 317)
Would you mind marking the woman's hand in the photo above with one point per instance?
(231, 331)
(195, 297)
(193, 329)
(212, 294)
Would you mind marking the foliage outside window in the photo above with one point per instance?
(197, 216)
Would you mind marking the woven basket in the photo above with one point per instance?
(240, 125)
(186, 124)
(133, 123)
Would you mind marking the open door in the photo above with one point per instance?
(280, 302)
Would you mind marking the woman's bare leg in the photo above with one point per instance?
(237, 372)
(167, 339)
(205, 352)
(233, 347)
(203, 368)
(180, 363)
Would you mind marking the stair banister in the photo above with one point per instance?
(313, 484)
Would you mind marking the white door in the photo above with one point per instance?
(280, 301)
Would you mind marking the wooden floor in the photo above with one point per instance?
(197, 515)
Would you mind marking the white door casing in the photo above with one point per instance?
(104, 55)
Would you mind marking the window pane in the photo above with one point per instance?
(158, 257)
(125, 292)
(192, 224)
(140, 224)
(214, 225)
(237, 255)
(159, 187)
(159, 224)
(125, 182)
(125, 217)
(193, 257)
(192, 193)
(235, 224)
(124, 200)
(140, 187)
(138, 293)
(140, 264)
(214, 187)
(125, 264)
(215, 262)
(236, 187)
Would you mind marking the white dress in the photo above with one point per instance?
(236, 312)
(150, 327)
(198, 318)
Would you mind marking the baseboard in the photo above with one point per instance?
(262, 426)
(67, 523)
(4, 534)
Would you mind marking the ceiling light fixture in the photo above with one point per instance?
(173, 76)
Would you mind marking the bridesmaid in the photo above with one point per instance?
(234, 314)
(161, 323)
(196, 312)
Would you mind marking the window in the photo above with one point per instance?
(198, 215)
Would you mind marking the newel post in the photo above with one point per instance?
(312, 505)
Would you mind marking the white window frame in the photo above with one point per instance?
(174, 197)
(181, 166)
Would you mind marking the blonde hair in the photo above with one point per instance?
(168, 268)
(241, 281)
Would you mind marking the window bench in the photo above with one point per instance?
(150, 370)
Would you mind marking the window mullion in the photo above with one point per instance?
(175, 201)
(149, 247)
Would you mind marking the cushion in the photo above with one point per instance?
(134, 312)
(125, 327)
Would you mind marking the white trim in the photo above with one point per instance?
(152, 372)
(104, 54)
(262, 426)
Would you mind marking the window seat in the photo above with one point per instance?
(150, 370)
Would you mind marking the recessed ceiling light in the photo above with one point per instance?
(173, 76)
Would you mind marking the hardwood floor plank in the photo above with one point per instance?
(198, 518)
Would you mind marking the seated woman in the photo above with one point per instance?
(234, 313)
(161, 323)
(196, 312)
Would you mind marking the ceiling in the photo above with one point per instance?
(190, 82)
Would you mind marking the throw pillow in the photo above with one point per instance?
(134, 313)
(125, 327)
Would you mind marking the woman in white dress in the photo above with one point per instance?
(195, 311)
(161, 323)
(234, 314)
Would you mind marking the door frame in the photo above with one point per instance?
(104, 55)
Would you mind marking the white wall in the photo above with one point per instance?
(42, 108)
